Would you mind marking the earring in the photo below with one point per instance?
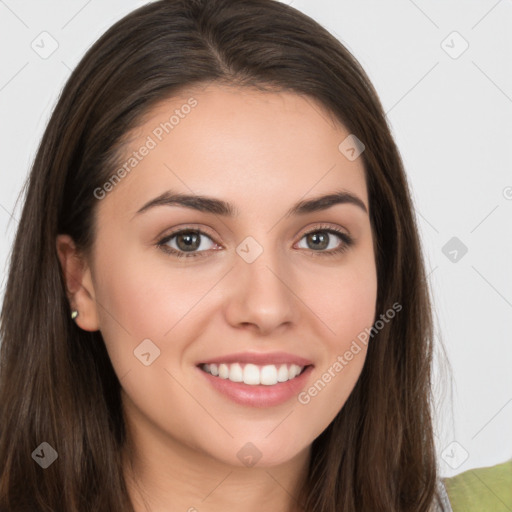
(74, 314)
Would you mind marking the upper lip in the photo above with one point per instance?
(259, 358)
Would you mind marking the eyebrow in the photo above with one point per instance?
(220, 207)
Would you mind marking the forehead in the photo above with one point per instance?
(237, 142)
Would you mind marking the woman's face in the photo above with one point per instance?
(253, 280)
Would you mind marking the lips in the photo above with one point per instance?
(259, 358)
(257, 379)
(260, 396)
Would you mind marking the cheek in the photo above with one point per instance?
(141, 297)
(344, 299)
(137, 290)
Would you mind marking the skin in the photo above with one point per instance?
(263, 152)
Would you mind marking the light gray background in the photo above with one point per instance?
(451, 116)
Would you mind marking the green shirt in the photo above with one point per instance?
(481, 489)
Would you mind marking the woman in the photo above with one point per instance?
(216, 292)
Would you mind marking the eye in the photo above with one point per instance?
(322, 241)
(186, 243)
(191, 242)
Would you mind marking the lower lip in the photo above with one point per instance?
(259, 395)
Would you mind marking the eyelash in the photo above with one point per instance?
(346, 239)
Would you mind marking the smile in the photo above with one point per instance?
(254, 375)
(254, 385)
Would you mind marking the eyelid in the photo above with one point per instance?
(323, 226)
(200, 228)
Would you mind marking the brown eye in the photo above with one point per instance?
(187, 242)
(318, 240)
(326, 241)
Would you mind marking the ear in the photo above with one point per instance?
(79, 285)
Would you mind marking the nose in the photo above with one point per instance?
(262, 296)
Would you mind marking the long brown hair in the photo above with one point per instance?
(57, 384)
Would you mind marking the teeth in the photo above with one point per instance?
(283, 373)
(236, 373)
(269, 375)
(223, 371)
(251, 374)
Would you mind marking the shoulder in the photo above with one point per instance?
(479, 489)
